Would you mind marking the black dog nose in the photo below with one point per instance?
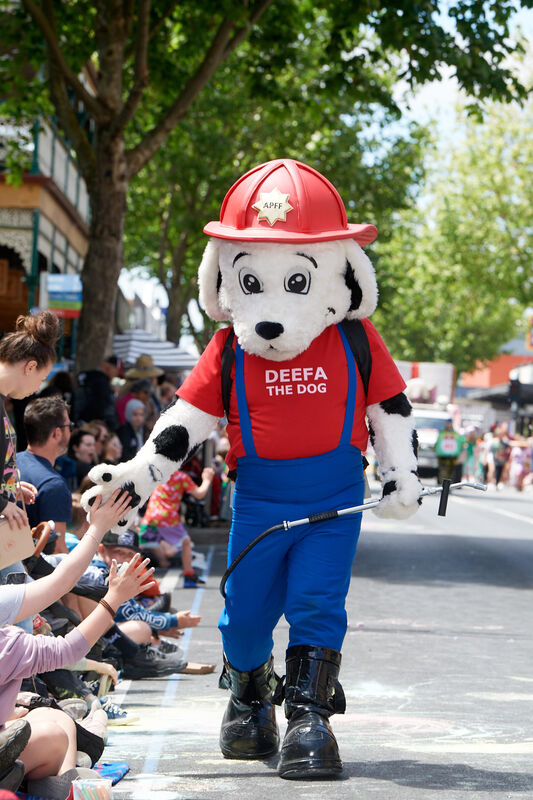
(269, 330)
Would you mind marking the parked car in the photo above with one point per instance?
(429, 420)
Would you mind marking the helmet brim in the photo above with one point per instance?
(363, 234)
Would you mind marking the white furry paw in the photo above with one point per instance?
(401, 493)
(109, 477)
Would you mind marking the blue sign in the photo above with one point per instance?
(64, 284)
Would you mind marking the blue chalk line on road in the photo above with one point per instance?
(157, 740)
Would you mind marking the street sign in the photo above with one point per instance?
(64, 295)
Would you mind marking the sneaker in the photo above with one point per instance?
(174, 656)
(167, 647)
(192, 581)
(161, 603)
(150, 663)
(13, 739)
(115, 714)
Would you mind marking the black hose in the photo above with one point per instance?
(244, 552)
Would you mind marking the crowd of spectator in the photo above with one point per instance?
(500, 458)
(72, 621)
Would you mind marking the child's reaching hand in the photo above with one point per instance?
(133, 578)
(188, 620)
(103, 516)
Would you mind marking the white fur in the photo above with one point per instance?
(148, 469)
(302, 317)
(365, 276)
(397, 462)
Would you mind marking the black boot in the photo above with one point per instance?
(249, 729)
(312, 694)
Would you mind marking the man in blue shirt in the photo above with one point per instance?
(47, 424)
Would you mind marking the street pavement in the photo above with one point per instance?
(437, 670)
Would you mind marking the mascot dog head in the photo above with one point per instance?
(283, 263)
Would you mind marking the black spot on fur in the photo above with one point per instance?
(399, 404)
(353, 286)
(414, 442)
(173, 442)
(91, 501)
(106, 476)
(219, 280)
(122, 523)
(331, 310)
(129, 488)
(389, 488)
(155, 474)
(372, 435)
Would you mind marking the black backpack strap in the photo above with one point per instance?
(227, 359)
(358, 341)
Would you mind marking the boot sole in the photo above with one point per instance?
(309, 770)
(248, 756)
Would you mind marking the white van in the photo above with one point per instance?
(429, 421)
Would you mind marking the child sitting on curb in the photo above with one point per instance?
(51, 749)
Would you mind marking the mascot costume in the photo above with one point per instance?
(287, 269)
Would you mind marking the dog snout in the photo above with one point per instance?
(269, 330)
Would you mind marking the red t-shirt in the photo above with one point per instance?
(296, 407)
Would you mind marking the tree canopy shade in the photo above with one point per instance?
(456, 275)
(148, 62)
(184, 185)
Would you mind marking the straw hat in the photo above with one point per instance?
(144, 368)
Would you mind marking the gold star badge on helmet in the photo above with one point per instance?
(273, 206)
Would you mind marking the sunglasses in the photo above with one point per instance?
(69, 425)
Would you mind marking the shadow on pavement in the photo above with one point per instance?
(414, 558)
(446, 777)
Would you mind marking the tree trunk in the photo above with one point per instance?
(105, 256)
(176, 309)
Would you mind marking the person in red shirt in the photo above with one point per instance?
(286, 267)
(162, 525)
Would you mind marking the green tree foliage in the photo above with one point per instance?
(456, 276)
(150, 61)
(226, 133)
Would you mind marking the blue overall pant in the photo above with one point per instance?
(303, 573)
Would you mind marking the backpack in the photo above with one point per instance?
(355, 334)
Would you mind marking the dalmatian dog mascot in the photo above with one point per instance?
(286, 268)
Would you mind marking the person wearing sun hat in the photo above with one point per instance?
(143, 370)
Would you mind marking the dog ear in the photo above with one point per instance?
(361, 281)
(209, 281)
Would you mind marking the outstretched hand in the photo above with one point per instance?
(105, 515)
(188, 620)
(130, 581)
(109, 479)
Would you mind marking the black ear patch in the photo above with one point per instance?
(219, 281)
(399, 404)
(173, 442)
(353, 286)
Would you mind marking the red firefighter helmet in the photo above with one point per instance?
(286, 201)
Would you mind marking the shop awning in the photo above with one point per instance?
(130, 345)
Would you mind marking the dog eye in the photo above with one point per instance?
(297, 281)
(250, 283)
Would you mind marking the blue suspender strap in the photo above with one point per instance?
(244, 414)
(352, 388)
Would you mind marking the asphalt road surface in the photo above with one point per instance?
(437, 671)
